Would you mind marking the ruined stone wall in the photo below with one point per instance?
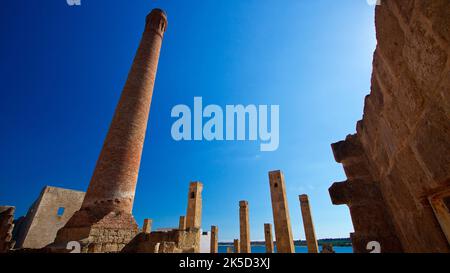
(6, 228)
(400, 155)
(108, 235)
(171, 241)
(47, 215)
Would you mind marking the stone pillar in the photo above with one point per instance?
(156, 248)
(109, 198)
(281, 218)
(268, 237)
(147, 228)
(229, 249)
(182, 223)
(244, 227)
(308, 224)
(237, 246)
(194, 209)
(214, 239)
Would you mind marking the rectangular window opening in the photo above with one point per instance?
(60, 211)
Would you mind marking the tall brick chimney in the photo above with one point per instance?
(109, 199)
(113, 183)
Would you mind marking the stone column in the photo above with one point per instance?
(194, 209)
(281, 218)
(214, 239)
(308, 224)
(147, 228)
(229, 249)
(182, 223)
(268, 237)
(237, 246)
(244, 227)
(109, 198)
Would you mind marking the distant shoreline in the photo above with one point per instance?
(334, 242)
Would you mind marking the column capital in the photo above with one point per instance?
(243, 204)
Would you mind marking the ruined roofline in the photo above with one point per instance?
(61, 189)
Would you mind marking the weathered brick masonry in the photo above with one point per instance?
(105, 223)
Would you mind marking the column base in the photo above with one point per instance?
(108, 233)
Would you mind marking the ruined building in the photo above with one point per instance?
(398, 162)
(185, 239)
(46, 216)
(101, 219)
(104, 222)
(205, 242)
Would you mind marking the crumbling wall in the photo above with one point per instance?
(6, 228)
(47, 215)
(400, 155)
(172, 241)
(109, 234)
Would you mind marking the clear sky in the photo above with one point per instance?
(62, 70)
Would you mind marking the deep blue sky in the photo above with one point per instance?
(62, 70)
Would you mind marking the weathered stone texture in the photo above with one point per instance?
(280, 209)
(110, 234)
(268, 238)
(308, 224)
(244, 227)
(50, 212)
(441, 206)
(147, 227)
(182, 223)
(6, 228)
(214, 248)
(194, 208)
(400, 155)
(186, 239)
(237, 246)
(172, 241)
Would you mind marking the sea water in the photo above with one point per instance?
(298, 249)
